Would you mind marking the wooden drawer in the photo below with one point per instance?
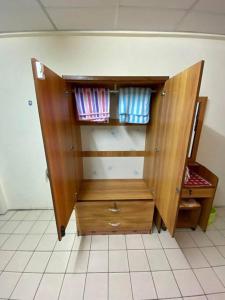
(113, 225)
(140, 210)
(197, 193)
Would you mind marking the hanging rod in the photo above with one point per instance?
(111, 91)
(117, 91)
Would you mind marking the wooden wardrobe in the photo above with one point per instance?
(117, 205)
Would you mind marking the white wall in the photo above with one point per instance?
(23, 170)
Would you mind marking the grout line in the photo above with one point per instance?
(129, 267)
(43, 273)
(185, 15)
(46, 14)
(116, 17)
(85, 281)
(65, 273)
(150, 266)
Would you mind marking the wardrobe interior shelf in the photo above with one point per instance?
(112, 122)
(114, 189)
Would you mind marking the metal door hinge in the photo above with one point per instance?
(68, 92)
(47, 174)
(153, 193)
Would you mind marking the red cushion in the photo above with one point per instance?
(196, 180)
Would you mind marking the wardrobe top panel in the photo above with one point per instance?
(118, 81)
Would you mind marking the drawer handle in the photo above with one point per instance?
(190, 192)
(114, 209)
(114, 224)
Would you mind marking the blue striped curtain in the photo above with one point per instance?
(134, 105)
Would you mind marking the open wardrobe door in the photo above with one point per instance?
(178, 108)
(56, 124)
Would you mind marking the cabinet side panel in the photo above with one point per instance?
(152, 136)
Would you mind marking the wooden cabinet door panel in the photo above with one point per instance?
(55, 118)
(179, 100)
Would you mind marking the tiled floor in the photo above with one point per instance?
(34, 265)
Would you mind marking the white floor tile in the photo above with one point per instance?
(19, 215)
(13, 242)
(71, 227)
(73, 287)
(165, 284)
(188, 283)
(8, 281)
(9, 226)
(213, 256)
(38, 262)
(8, 215)
(184, 240)
(138, 260)
(118, 261)
(216, 296)
(46, 215)
(78, 262)
(167, 241)
(39, 227)
(157, 260)
(30, 242)
(96, 287)
(219, 223)
(24, 227)
(32, 215)
(5, 257)
(201, 239)
(27, 286)
(51, 227)
(151, 241)
(176, 259)
(195, 258)
(117, 242)
(58, 262)
(47, 242)
(3, 238)
(19, 261)
(221, 250)
(220, 211)
(98, 261)
(2, 223)
(211, 227)
(99, 242)
(220, 271)
(216, 237)
(65, 244)
(209, 281)
(120, 286)
(134, 241)
(49, 287)
(82, 243)
(142, 285)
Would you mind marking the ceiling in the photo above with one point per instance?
(195, 16)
